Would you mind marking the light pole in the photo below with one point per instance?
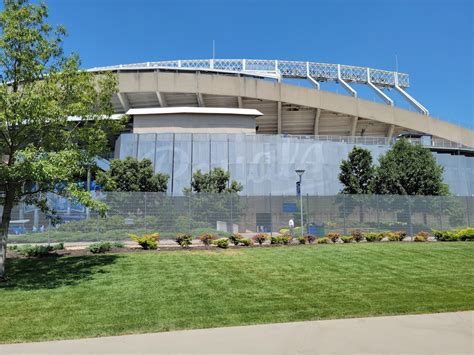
(300, 173)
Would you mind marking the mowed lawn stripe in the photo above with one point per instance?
(71, 297)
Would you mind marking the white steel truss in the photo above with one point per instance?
(377, 79)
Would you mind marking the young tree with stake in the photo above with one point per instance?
(41, 149)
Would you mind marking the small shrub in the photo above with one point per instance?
(246, 242)
(207, 238)
(324, 240)
(260, 238)
(374, 237)
(310, 238)
(100, 247)
(333, 237)
(424, 234)
(35, 250)
(118, 245)
(357, 236)
(393, 237)
(466, 234)
(420, 238)
(222, 243)
(446, 236)
(276, 240)
(286, 239)
(235, 238)
(184, 240)
(302, 240)
(147, 241)
(400, 235)
(59, 246)
(347, 238)
(12, 247)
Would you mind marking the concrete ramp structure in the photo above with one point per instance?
(259, 118)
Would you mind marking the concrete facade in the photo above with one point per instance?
(353, 115)
(193, 123)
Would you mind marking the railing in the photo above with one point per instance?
(431, 143)
(278, 68)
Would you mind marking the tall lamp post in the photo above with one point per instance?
(300, 173)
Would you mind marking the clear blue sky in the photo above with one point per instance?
(434, 39)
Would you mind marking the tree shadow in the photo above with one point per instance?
(53, 272)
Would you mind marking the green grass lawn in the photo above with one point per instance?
(70, 297)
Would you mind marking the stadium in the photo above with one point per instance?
(263, 119)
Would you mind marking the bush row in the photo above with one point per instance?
(150, 241)
(36, 250)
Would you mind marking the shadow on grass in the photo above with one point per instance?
(52, 272)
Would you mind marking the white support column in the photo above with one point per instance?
(409, 98)
(379, 92)
(391, 129)
(239, 102)
(354, 126)
(161, 99)
(344, 84)
(310, 78)
(200, 100)
(279, 117)
(123, 101)
(314, 82)
(277, 71)
(317, 116)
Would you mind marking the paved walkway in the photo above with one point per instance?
(443, 333)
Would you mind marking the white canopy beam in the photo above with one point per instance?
(409, 98)
(379, 92)
(344, 84)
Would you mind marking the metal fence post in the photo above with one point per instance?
(307, 212)
(190, 215)
(144, 219)
(97, 228)
(271, 216)
(441, 213)
(410, 224)
(377, 211)
(344, 214)
(231, 215)
(468, 210)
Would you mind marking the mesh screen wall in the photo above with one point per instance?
(265, 164)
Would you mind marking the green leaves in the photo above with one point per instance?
(357, 173)
(409, 169)
(132, 175)
(42, 150)
(216, 181)
(406, 169)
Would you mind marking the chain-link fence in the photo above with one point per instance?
(223, 214)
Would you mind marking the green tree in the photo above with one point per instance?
(357, 172)
(131, 175)
(214, 198)
(215, 181)
(356, 176)
(409, 169)
(41, 148)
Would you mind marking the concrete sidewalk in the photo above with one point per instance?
(443, 333)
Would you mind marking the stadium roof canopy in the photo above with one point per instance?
(287, 109)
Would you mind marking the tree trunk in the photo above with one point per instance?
(6, 217)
